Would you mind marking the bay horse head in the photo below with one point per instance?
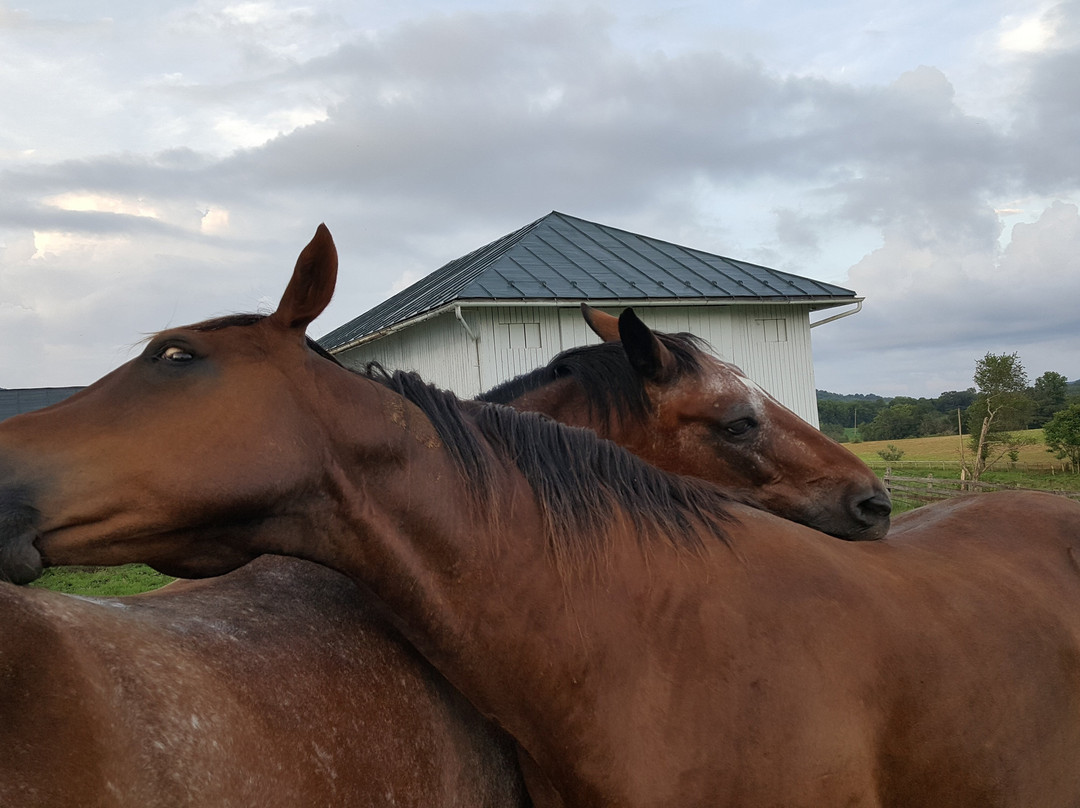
(146, 451)
(670, 401)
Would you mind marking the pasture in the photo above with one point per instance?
(1034, 467)
(944, 451)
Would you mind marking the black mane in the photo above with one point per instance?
(581, 481)
(607, 379)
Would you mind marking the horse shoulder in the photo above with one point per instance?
(55, 713)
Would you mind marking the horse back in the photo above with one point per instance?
(278, 685)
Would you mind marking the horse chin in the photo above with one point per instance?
(872, 533)
(847, 529)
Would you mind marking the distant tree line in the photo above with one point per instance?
(1003, 390)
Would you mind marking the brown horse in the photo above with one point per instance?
(645, 640)
(672, 403)
(600, 386)
(279, 684)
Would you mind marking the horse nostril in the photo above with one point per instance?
(874, 509)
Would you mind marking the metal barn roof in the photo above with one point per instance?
(563, 258)
(27, 399)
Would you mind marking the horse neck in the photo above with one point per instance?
(565, 401)
(406, 523)
(481, 596)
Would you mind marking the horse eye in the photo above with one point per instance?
(176, 354)
(740, 427)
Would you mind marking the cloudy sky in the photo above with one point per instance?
(163, 161)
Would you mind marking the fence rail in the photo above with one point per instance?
(945, 465)
(931, 489)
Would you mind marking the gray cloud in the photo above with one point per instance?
(420, 140)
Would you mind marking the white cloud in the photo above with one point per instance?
(1028, 35)
(215, 221)
(932, 307)
(80, 201)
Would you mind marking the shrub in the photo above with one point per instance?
(890, 453)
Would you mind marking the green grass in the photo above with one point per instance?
(129, 579)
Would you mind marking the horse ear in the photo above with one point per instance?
(647, 354)
(603, 325)
(312, 283)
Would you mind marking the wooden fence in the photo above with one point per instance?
(931, 489)
(1060, 467)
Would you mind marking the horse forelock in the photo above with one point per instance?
(582, 482)
(608, 382)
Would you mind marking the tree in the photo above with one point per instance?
(1062, 435)
(953, 400)
(1049, 393)
(834, 412)
(834, 431)
(895, 422)
(1000, 404)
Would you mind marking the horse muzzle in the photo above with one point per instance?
(20, 560)
(870, 513)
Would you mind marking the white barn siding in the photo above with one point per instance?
(439, 349)
(514, 340)
(771, 343)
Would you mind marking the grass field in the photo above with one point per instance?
(947, 449)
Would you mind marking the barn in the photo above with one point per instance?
(513, 304)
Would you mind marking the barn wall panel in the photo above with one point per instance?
(771, 343)
(439, 349)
